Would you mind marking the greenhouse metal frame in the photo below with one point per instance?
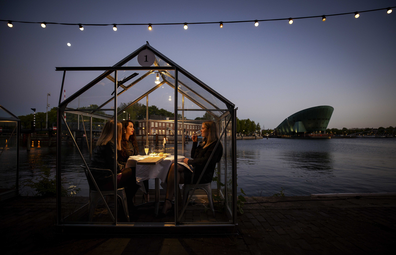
(186, 88)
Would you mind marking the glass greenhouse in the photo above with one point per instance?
(167, 105)
(9, 154)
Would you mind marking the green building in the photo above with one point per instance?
(307, 122)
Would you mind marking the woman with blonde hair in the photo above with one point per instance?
(200, 154)
(104, 157)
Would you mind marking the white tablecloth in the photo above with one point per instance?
(148, 171)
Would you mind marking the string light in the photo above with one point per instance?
(150, 27)
(290, 21)
(256, 22)
(81, 27)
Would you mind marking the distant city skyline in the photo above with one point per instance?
(269, 72)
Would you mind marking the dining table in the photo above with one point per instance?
(152, 167)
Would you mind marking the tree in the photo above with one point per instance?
(207, 116)
(258, 128)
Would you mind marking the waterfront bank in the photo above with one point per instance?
(353, 224)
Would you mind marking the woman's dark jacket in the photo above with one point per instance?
(200, 156)
(103, 158)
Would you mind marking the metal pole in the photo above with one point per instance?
(58, 166)
(115, 145)
(183, 124)
(91, 139)
(176, 186)
(18, 141)
(234, 167)
(147, 122)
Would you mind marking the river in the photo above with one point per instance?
(266, 167)
(303, 167)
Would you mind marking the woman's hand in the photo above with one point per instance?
(194, 138)
(185, 160)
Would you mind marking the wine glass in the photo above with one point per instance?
(196, 134)
(146, 149)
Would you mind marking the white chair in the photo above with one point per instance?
(94, 195)
(204, 186)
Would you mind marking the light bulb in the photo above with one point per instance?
(150, 27)
(157, 79)
(221, 24)
(323, 18)
(256, 23)
(10, 24)
(185, 26)
(389, 11)
(115, 27)
(43, 25)
(81, 27)
(290, 21)
(357, 15)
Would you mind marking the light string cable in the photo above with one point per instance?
(323, 17)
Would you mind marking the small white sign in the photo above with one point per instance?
(146, 58)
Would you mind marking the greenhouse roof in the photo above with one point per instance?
(7, 115)
(94, 95)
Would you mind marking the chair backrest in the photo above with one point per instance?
(211, 168)
(102, 177)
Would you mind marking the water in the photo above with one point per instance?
(269, 166)
(303, 167)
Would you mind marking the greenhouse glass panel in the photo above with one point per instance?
(9, 154)
(165, 106)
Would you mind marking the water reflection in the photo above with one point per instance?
(248, 157)
(309, 160)
(302, 167)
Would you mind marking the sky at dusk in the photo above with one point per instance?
(269, 72)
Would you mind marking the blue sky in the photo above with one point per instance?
(269, 72)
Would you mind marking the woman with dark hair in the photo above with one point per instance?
(129, 147)
(200, 154)
(103, 158)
